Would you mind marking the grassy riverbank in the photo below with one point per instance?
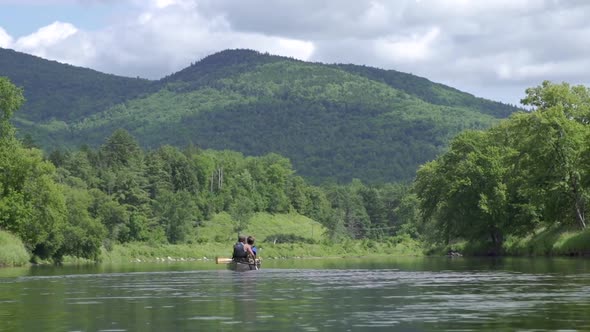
(295, 236)
(547, 242)
(142, 252)
(551, 242)
(12, 250)
(555, 241)
(278, 236)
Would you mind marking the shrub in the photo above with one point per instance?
(12, 250)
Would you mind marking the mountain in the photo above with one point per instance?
(63, 92)
(335, 122)
(431, 92)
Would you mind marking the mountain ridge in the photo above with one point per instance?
(86, 90)
(335, 122)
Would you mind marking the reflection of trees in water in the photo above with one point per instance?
(245, 292)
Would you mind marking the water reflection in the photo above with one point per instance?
(306, 295)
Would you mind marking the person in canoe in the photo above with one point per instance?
(250, 242)
(242, 250)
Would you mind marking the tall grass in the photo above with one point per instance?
(264, 226)
(573, 243)
(551, 242)
(12, 250)
(278, 236)
(146, 252)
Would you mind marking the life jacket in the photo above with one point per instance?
(239, 252)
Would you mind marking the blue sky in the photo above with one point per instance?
(21, 18)
(493, 49)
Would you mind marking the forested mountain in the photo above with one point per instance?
(335, 122)
(428, 91)
(63, 92)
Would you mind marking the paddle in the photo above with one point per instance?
(222, 260)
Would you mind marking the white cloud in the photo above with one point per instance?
(471, 8)
(160, 4)
(552, 70)
(162, 38)
(480, 46)
(407, 49)
(5, 39)
(298, 49)
(46, 37)
(164, 3)
(376, 16)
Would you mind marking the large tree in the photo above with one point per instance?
(11, 98)
(531, 167)
(553, 141)
(32, 205)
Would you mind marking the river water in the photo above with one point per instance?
(400, 294)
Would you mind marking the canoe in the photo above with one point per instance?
(243, 266)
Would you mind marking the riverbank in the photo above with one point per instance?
(278, 236)
(545, 242)
(557, 241)
(12, 250)
(143, 252)
(551, 242)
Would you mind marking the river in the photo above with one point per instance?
(401, 294)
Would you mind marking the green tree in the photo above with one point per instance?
(466, 192)
(32, 205)
(401, 209)
(178, 214)
(83, 234)
(349, 211)
(241, 211)
(553, 141)
(178, 169)
(11, 98)
(120, 149)
(110, 213)
(375, 208)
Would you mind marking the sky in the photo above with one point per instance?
(491, 48)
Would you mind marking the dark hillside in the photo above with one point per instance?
(434, 93)
(332, 124)
(220, 65)
(63, 92)
(335, 122)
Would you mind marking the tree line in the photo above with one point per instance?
(528, 172)
(73, 202)
(383, 123)
(531, 171)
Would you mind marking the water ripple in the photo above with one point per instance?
(303, 300)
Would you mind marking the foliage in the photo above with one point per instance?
(550, 241)
(83, 234)
(216, 237)
(334, 122)
(431, 92)
(487, 193)
(176, 213)
(554, 138)
(12, 250)
(31, 203)
(51, 218)
(506, 181)
(63, 92)
(170, 196)
(362, 211)
(11, 100)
